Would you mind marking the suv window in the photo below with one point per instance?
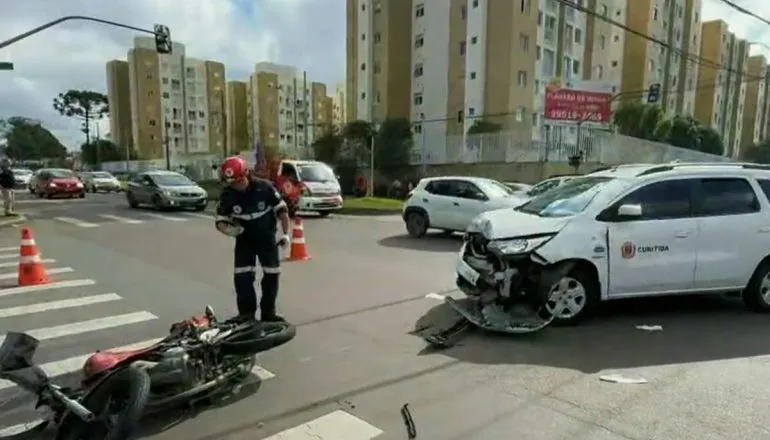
(669, 199)
(727, 196)
(543, 187)
(765, 185)
(467, 190)
(441, 188)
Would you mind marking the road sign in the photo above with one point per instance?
(653, 93)
(162, 38)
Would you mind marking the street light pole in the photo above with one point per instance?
(53, 23)
(168, 150)
(371, 164)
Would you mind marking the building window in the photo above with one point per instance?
(463, 13)
(462, 48)
(473, 75)
(164, 80)
(151, 93)
(522, 78)
(475, 3)
(460, 117)
(614, 64)
(418, 70)
(153, 122)
(377, 37)
(417, 98)
(524, 42)
(471, 111)
(578, 36)
(363, 6)
(363, 95)
(419, 10)
(363, 66)
(474, 40)
(363, 37)
(377, 67)
(419, 41)
(418, 128)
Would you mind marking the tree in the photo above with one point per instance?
(680, 131)
(759, 153)
(357, 136)
(710, 141)
(84, 105)
(393, 143)
(626, 118)
(482, 126)
(328, 147)
(101, 150)
(28, 140)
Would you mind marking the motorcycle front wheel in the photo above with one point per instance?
(253, 338)
(118, 404)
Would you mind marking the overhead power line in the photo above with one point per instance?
(745, 11)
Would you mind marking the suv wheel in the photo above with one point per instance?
(416, 224)
(578, 294)
(756, 295)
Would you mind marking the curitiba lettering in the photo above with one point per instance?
(656, 248)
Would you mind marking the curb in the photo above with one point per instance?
(4, 223)
(366, 212)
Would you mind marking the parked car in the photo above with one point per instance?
(451, 203)
(54, 182)
(22, 176)
(95, 181)
(322, 192)
(518, 186)
(165, 190)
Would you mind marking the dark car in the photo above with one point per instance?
(55, 182)
(164, 190)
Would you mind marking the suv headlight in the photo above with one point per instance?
(518, 245)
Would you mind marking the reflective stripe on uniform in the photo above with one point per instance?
(245, 269)
(280, 206)
(271, 270)
(252, 216)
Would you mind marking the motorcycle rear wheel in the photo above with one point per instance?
(257, 337)
(131, 387)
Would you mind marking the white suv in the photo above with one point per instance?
(450, 203)
(628, 231)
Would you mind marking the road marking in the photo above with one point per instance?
(118, 218)
(196, 215)
(50, 286)
(76, 222)
(9, 248)
(16, 263)
(435, 296)
(164, 217)
(75, 364)
(9, 256)
(61, 304)
(76, 328)
(337, 425)
(54, 271)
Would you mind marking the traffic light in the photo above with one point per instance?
(162, 38)
(653, 93)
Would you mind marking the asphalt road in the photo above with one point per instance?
(354, 364)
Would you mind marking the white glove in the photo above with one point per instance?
(283, 241)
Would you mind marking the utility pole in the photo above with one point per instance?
(294, 113)
(306, 109)
(96, 146)
(167, 148)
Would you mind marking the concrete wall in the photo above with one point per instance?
(525, 172)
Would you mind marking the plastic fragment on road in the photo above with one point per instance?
(411, 429)
(617, 378)
(650, 328)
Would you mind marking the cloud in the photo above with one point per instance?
(743, 25)
(306, 33)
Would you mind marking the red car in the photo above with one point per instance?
(52, 182)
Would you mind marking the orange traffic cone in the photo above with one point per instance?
(31, 269)
(298, 247)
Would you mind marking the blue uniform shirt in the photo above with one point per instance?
(254, 209)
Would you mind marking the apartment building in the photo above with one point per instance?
(119, 98)
(646, 62)
(755, 105)
(237, 118)
(604, 45)
(177, 103)
(283, 108)
(722, 83)
(339, 116)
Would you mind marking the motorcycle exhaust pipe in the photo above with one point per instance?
(74, 406)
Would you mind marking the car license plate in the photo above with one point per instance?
(467, 272)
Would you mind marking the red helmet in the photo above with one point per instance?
(233, 168)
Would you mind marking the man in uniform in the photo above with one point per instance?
(248, 210)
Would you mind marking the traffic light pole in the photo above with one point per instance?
(53, 23)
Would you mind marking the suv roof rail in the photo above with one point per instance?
(670, 166)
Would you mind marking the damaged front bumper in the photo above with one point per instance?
(509, 281)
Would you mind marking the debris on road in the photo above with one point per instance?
(650, 328)
(411, 430)
(617, 378)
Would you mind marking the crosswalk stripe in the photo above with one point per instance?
(9, 248)
(164, 217)
(339, 425)
(118, 218)
(9, 256)
(73, 364)
(76, 222)
(196, 215)
(15, 263)
(57, 305)
(50, 286)
(76, 328)
(54, 271)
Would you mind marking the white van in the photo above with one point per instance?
(322, 192)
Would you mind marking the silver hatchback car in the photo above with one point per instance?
(165, 190)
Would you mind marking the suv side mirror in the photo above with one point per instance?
(630, 210)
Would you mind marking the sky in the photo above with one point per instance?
(309, 34)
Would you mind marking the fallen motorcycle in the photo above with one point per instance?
(200, 358)
(109, 408)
